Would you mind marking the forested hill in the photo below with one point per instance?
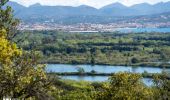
(38, 12)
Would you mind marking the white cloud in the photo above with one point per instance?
(94, 3)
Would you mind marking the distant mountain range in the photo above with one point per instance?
(86, 13)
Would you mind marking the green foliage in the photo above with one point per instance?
(134, 60)
(80, 70)
(98, 48)
(162, 87)
(8, 50)
(125, 86)
(79, 95)
(121, 86)
(24, 78)
(21, 76)
(7, 20)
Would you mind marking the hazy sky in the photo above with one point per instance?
(94, 3)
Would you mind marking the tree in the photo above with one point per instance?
(20, 74)
(125, 86)
(7, 20)
(8, 50)
(162, 87)
(80, 70)
(134, 60)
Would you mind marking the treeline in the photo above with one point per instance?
(99, 48)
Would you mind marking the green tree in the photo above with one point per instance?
(125, 86)
(7, 20)
(20, 74)
(134, 60)
(162, 87)
(80, 70)
(8, 50)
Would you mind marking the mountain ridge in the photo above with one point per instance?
(41, 12)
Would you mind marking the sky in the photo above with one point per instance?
(93, 3)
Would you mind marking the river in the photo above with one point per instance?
(101, 69)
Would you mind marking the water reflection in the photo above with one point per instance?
(101, 68)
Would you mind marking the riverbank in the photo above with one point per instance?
(146, 64)
(144, 75)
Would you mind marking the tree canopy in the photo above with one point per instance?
(20, 74)
(125, 86)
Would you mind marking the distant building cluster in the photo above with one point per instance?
(88, 27)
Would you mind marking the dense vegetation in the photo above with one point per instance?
(22, 77)
(122, 86)
(98, 48)
(20, 74)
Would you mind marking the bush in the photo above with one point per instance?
(80, 70)
(134, 60)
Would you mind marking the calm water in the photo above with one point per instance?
(127, 30)
(101, 68)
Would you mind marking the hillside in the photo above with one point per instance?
(86, 14)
